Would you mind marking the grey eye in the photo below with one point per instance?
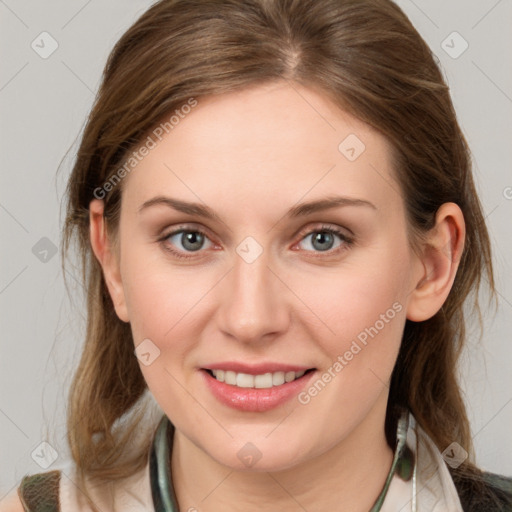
(191, 241)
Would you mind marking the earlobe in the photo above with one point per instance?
(439, 262)
(107, 258)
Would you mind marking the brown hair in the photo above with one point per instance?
(367, 57)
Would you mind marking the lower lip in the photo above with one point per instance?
(255, 399)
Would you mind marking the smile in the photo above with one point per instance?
(264, 380)
(258, 392)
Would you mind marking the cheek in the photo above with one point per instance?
(355, 301)
(158, 303)
(364, 308)
(366, 314)
(157, 296)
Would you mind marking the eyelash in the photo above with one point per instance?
(347, 240)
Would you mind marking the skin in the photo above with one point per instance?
(251, 156)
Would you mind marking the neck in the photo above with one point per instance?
(349, 476)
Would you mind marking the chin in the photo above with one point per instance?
(259, 455)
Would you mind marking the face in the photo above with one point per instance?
(266, 288)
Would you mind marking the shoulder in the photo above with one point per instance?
(11, 503)
(62, 491)
(36, 493)
(488, 491)
(501, 482)
(501, 487)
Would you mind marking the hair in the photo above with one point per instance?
(365, 56)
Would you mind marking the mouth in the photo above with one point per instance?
(260, 381)
(259, 392)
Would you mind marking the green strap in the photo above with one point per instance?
(164, 497)
(162, 490)
(403, 461)
(40, 492)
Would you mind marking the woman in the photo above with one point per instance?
(229, 142)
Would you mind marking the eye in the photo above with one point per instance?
(192, 240)
(323, 238)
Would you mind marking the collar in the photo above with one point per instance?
(418, 479)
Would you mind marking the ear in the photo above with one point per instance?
(440, 259)
(108, 257)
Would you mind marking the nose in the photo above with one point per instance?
(254, 303)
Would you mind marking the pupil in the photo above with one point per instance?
(322, 237)
(190, 238)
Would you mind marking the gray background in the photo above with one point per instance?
(43, 106)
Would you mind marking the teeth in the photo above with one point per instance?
(278, 378)
(265, 380)
(243, 380)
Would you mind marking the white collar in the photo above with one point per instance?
(431, 488)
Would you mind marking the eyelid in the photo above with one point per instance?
(186, 227)
(324, 226)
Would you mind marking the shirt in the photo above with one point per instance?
(418, 480)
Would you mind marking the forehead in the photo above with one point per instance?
(279, 140)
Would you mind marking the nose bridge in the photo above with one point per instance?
(253, 305)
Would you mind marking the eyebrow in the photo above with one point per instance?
(299, 210)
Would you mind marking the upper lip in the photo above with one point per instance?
(256, 369)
